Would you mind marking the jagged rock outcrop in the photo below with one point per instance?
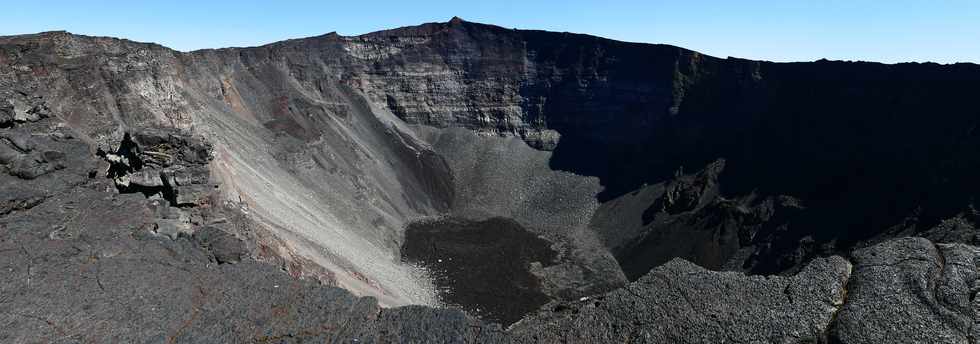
(225, 247)
(166, 165)
(684, 193)
(911, 291)
(680, 302)
(19, 108)
(19, 154)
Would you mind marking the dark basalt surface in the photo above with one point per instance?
(483, 267)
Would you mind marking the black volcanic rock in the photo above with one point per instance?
(910, 291)
(102, 280)
(6, 114)
(680, 302)
(462, 256)
(225, 247)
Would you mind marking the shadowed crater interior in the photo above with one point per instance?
(481, 266)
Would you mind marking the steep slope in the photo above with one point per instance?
(857, 149)
(321, 170)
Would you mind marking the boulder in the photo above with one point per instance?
(8, 154)
(225, 247)
(196, 151)
(146, 178)
(192, 175)
(152, 136)
(23, 113)
(33, 166)
(173, 228)
(53, 156)
(193, 194)
(21, 141)
(6, 114)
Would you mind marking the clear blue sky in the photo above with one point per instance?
(777, 30)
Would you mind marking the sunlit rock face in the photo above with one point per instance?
(312, 138)
(334, 177)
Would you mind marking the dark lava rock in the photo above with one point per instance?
(225, 247)
(76, 266)
(23, 157)
(20, 140)
(170, 164)
(188, 149)
(910, 291)
(191, 195)
(53, 156)
(961, 228)
(33, 166)
(6, 114)
(8, 154)
(680, 302)
(684, 193)
(481, 266)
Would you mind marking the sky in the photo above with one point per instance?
(944, 31)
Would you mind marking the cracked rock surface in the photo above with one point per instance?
(680, 302)
(910, 291)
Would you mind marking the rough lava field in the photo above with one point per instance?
(464, 183)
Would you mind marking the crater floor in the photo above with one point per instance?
(483, 267)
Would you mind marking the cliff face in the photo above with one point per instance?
(620, 156)
(862, 149)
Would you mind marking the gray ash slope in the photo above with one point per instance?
(631, 161)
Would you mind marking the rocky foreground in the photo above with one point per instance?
(315, 190)
(86, 261)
